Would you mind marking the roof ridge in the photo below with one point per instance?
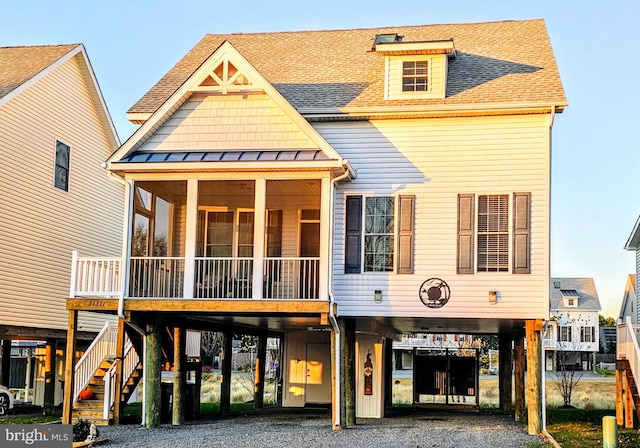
(383, 27)
(41, 46)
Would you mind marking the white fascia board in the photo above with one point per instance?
(94, 86)
(634, 239)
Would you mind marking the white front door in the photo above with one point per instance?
(318, 381)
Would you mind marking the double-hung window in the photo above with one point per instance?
(564, 333)
(415, 76)
(587, 334)
(491, 237)
(62, 164)
(379, 234)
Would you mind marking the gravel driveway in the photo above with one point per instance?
(411, 428)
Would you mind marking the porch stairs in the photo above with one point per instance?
(95, 371)
(92, 410)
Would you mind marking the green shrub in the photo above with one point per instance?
(81, 430)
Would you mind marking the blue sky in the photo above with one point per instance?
(596, 159)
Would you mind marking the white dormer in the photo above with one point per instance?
(570, 297)
(414, 70)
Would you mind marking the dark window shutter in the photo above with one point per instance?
(466, 210)
(593, 334)
(406, 234)
(559, 332)
(353, 235)
(521, 233)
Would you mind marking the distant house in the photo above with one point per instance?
(572, 337)
(55, 133)
(629, 305)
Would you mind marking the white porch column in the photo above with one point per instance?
(325, 245)
(259, 216)
(190, 239)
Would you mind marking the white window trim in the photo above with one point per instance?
(364, 232)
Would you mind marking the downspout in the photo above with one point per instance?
(126, 238)
(332, 317)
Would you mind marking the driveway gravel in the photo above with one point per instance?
(275, 427)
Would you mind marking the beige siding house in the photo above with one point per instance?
(341, 188)
(55, 133)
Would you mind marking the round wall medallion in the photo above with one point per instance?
(434, 293)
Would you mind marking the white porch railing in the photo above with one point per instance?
(627, 345)
(129, 363)
(156, 277)
(102, 346)
(291, 278)
(215, 277)
(95, 276)
(218, 277)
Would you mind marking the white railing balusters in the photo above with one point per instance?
(129, 363)
(627, 345)
(102, 346)
(284, 278)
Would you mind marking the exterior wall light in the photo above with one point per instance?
(377, 296)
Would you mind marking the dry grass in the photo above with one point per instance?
(588, 394)
(241, 389)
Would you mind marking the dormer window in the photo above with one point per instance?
(414, 70)
(570, 297)
(415, 76)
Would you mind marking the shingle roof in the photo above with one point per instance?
(496, 62)
(19, 64)
(585, 287)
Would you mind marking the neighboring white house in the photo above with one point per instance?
(342, 188)
(55, 133)
(572, 336)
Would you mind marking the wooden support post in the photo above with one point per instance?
(336, 423)
(505, 373)
(349, 371)
(619, 395)
(518, 373)
(117, 399)
(388, 372)
(628, 403)
(179, 375)
(261, 357)
(153, 374)
(5, 370)
(49, 377)
(534, 376)
(69, 368)
(197, 389)
(226, 360)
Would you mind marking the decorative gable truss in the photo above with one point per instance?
(226, 78)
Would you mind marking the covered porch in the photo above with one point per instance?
(216, 240)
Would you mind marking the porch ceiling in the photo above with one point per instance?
(401, 325)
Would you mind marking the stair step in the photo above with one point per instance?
(97, 421)
(88, 404)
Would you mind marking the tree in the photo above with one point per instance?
(211, 345)
(606, 321)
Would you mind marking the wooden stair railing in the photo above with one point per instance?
(629, 393)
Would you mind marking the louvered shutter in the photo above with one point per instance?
(521, 233)
(353, 235)
(406, 234)
(466, 212)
